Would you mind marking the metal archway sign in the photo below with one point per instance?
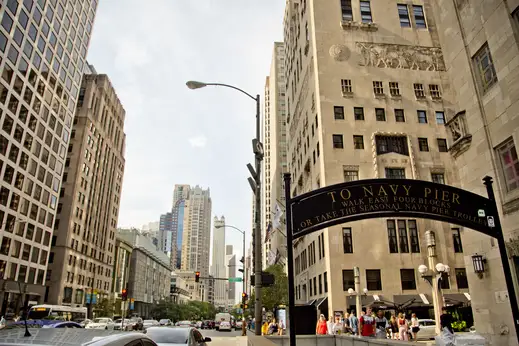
(380, 198)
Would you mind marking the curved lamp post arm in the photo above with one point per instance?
(236, 228)
(233, 87)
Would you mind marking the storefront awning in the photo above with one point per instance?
(311, 302)
(454, 299)
(321, 301)
(412, 300)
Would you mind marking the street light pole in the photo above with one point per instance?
(256, 238)
(243, 249)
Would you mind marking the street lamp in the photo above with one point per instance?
(434, 279)
(256, 188)
(243, 249)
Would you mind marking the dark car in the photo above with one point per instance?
(207, 324)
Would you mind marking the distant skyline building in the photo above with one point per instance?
(180, 194)
(165, 234)
(230, 261)
(218, 267)
(196, 233)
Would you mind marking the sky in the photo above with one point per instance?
(149, 49)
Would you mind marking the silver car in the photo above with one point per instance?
(175, 336)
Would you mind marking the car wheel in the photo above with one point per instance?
(106, 328)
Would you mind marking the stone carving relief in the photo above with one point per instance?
(339, 52)
(399, 56)
(457, 128)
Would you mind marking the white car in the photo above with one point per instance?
(119, 325)
(224, 325)
(150, 323)
(165, 322)
(101, 323)
(122, 340)
(427, 329)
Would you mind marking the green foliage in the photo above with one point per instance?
(274, 295)
(104, 307)
(459, 326)
(191, 311)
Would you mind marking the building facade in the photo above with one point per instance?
(369, 98)
(165, 234)
(37, 104)
(150, 273)
(196, 237)
(180, 195)
(231, 264)
(219, 269)
(480, 44)
(123, 253)
(275, 161)
(198, 291)
(179, 293)
(83, 244)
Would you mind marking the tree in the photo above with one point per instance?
(104, 307)
(274, 295)
(191, 311)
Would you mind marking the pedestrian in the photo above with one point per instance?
(322, 326)
(354, 323)
(265, 328)
(446, 321)
(281, 327)
(402, 328)
(394, 327)
(367, 324)
(243, 327)
(415, 326)
(381, 324)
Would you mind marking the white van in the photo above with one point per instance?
(221, 317)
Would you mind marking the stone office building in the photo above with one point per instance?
(368, 96)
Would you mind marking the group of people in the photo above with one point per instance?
(271, 327)
(377, 325)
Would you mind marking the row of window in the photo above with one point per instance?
(307, 257)
(403, 14)
(351, 173)
(394, 89)
(317, 286)
(380, 115)
(387, 144)
(407, 279)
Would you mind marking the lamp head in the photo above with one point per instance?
(440, 267)
(422, 269)
(365, 290)
(195, 85)
(351, 290)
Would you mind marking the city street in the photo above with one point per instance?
(214, 335)
(224, 338)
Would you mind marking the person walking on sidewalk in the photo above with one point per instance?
(322, 326)
(354, 323)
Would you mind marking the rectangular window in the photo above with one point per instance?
(351, 175)
(445, 283)
(394, 89)
(358, 142)
(419, 17)
(358, 113)
(338, 112)
(461, 278)
(456, 240)
(346, 86)
(423, 144)
(442, 145)
(338, 142)
(440, 118)
(365, 12)
(434, 90)
(407, 278)
(395, 173)
(347, 13)
(320, 284)
(438, 178)
(418, 90)
(422, 117)
(392, 238)
(413, 236)
(403, 14)
(325, 279)
(347, 240)
(378, 88)
(403, 241)
(348, 279)
(380, 114)
(399, 116)
(509, 164)
(373, 280)
(485, 67)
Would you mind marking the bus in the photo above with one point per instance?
(57, 312)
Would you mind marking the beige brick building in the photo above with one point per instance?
(368, 96)
(83, 245)
(480, 43)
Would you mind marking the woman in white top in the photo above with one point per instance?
(415, 326)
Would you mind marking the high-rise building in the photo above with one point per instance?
(83, 243)
(165, 234)
(180, 194)
(275, 144)
(230, 262)
(43, 49)
(369, 99)
(218, 267)
(196, 234)
(481, 50)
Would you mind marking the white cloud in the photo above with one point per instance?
(198, 141)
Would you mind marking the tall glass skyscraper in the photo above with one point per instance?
(43, 49)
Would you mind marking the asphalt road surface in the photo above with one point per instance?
(212, 333)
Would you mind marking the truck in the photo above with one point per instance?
(220, 317)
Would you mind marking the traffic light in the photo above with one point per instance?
(244, 296)
(197, 276)
(245, 306)
(124, 294)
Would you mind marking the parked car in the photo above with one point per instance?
(101, 323)
(165, 322)
(427, 329)
(177, 336)
(224, 325)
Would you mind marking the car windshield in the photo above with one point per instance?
(149, 321)
(163, 320)
(169, 335)
(101, 320)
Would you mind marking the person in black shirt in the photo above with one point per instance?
(446, 321)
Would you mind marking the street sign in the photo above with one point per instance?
(481, 213)
(235, 279)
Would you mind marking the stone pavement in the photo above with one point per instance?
(228, 341)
